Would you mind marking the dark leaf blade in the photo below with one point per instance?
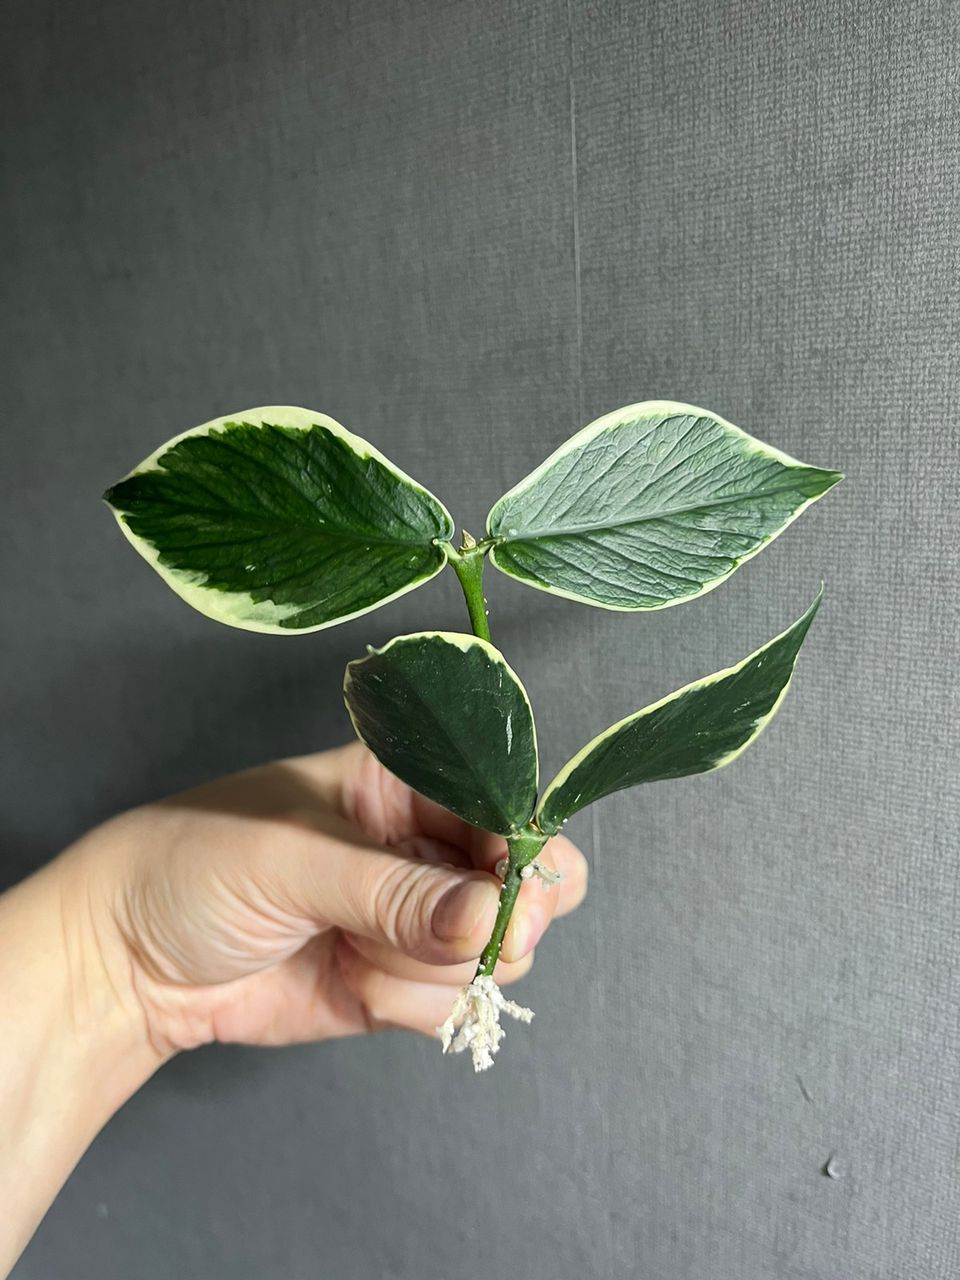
(649, 506)
(447, 715)
(279, 520)
(699, 728)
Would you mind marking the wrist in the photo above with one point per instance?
(76, 1047)
(107, 1025)
(65, 966)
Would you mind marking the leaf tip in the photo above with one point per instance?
(825, 479)
(814, 604)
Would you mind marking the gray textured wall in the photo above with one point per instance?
(378, 209)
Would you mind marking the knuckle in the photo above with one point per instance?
(402, 905)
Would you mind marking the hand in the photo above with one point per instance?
(306, 899)
(310, 898)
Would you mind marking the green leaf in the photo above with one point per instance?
(278, 520)
(701, 727)
(446, 714)
(649, 506)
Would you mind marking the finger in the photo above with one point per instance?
(563, 855)
(381, 804)
(538, 903)
(531, 916)
(391, 1001)
(453, 975)
(393, 814)
(435, 913)
(437, 852)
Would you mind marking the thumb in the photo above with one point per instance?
(434, 913)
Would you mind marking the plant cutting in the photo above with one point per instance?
(279, 520)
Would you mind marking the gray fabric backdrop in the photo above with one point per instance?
(464, 229)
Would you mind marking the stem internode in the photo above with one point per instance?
(468, 564)
(522, 848)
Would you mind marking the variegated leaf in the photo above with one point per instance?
(701, 727)
(649, 506)
(447, 715)
(279, 520)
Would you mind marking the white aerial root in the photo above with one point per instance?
(545, 874)
(474, 1021)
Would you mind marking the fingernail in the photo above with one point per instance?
(458, 912)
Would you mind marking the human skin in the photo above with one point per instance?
(304, 900)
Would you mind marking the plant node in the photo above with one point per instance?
(547, 875)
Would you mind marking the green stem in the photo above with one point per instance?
(522, 848)
(468, 566)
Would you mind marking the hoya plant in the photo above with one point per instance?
(279, 520)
